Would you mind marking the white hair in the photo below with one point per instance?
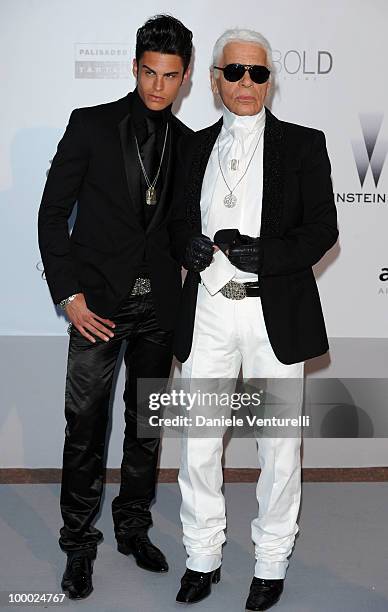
(242, 35)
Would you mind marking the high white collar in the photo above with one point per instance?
(248, 123)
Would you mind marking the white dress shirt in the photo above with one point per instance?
(237, 140)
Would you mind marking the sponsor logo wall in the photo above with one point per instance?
(322, 79)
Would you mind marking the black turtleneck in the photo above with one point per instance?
(145, 119)
(150, 127)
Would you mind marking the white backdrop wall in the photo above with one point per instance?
(330, 73)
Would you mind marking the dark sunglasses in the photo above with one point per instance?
(235, 72)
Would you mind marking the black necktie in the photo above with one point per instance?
(148, 150)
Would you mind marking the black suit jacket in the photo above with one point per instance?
(96, 165)
(298, 225)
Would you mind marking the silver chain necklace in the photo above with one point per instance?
(230, 200)
(151, 191)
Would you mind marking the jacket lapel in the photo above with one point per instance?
(273, 176)
(129, 152)
(204, 145)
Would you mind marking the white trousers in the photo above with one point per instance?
(229, 334)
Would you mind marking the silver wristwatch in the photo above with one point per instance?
(67, 301)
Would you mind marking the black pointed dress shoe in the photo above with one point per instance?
(77, 578)
(195, 586)
(264, 593)
(147, 555)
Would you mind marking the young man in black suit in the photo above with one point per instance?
(116, 279)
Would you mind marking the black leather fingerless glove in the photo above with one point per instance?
(199, 253)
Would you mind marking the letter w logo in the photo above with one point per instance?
(369, 152)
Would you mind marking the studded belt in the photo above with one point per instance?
(141, 286)
(238, 291)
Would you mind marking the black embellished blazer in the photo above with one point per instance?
(298, 225)
(96, 165)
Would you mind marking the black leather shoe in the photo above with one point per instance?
(147, 556)
(195, 586)
(263, 593)
(77, 578)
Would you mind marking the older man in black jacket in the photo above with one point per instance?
(116, 279)
(259, 214)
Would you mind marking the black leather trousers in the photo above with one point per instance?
(90, 372)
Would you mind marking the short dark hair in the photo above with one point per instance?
(165, 34)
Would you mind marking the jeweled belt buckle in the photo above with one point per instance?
(234, 290)
(141, 286)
